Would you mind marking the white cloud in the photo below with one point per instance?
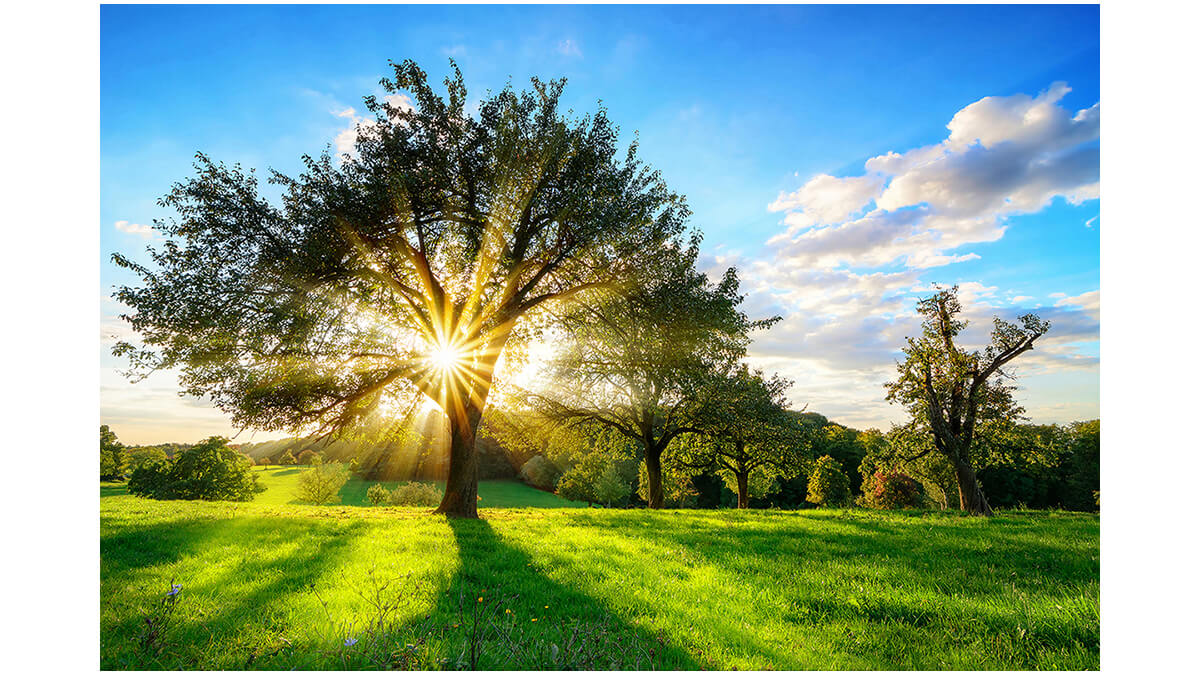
(1005, 155)
(134, 228)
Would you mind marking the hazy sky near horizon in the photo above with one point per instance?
(843, 158)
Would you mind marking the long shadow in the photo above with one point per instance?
(547, 616)
(130, 555)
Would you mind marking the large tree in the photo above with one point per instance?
(642, 362)
(748, 432)
(951, 392)
(407, 267)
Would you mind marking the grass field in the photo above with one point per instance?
(281, 482)
(281, 587)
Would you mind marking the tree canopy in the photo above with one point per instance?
(403, 268)
(641, 362)
(950, 392)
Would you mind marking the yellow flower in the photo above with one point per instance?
(480, 599)
(547, 607)
(533, 620)
(508, 611)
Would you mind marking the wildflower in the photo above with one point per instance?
(480, 599)
(508, 611)
(533, 620)
(175, 588)
(546, 607)
(350, 642)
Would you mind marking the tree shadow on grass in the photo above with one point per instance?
(547, 622)
(224, 595)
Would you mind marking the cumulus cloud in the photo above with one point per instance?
(846, 269)
(134, 228)
(1004, 155)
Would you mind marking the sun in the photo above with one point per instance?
(446, 357)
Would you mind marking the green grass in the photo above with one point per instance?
(281, 483)
(281, 587)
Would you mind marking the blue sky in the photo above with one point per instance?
(766, 118)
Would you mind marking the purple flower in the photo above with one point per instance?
(175, 588)
(350, 642)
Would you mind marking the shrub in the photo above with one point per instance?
(264, 461)
(287, 459)
(307, 457)
(828, 484)
(892, 490)
(540, 473)
(594, 479)
(322, 483)
(415, 494)
(378, 495)
(209, 470)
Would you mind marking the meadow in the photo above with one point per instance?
(273, 585)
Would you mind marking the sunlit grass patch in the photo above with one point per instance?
(281, 586)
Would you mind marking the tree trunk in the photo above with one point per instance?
(462, 483)
(654, 485)
(743, 483)
(970, 494)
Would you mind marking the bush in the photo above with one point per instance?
(264, 461)
(322, 483)
(415, 494)
(287, 459)
(828, 484)
(678, 492)
(378, 495)
(540, 473)
(209, 470)
(595, 479)
(308, 457)
(112, 455)
(892, 490)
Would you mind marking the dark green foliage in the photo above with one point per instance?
(595, 479)
(540, 473)
(209, 470)
(828, 484)
(112, 455)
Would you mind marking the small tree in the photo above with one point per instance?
(638, 362)
(322, 483)
(828, 485)
(112, 455)
(308, 457)
(288, 459)
(950, 392)
(747, 435)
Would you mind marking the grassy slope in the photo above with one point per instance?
(281, 586)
